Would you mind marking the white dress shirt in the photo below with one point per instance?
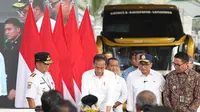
(38, 83)
(120, 92)
(102, 87)
(39, 23)
(137, 82)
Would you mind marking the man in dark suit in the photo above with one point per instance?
(12, 31)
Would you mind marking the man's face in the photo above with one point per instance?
(144, 67)
(66, 6)
(11, 31)
(23, 13)
(42, 67)
(135, 59)
(179, 65)
(113, 66)
(99, 67)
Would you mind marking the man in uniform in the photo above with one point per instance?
(120, 86)
(12, 31)
(40, 80)
(144, 78)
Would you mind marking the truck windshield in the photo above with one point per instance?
(161, 56)
(119, 21)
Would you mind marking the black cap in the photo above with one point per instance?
(89, 100)
(43, 57)
(20, 4)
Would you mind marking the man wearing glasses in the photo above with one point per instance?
(182, 88)
(144, 78)
(38, 7)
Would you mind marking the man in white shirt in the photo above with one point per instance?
(40, 80)
(144, 78)
(99, 82)
(38, 7)
(120, 86)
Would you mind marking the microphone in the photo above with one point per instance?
(145, 81)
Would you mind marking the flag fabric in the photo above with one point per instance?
(30, 44)
(87, 40)
(63, 51)
(48, 46)
(74, 42)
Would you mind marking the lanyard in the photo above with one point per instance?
(48, 84)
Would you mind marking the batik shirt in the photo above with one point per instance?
(182, 91)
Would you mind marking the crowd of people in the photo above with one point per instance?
(105, 90)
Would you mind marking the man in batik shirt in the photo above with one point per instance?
(182, 88)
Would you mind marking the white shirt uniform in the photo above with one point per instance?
(102, 88)
(39, 23)
(38, 83)
(137, 82)
(120, 92)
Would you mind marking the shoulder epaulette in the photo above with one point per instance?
(33, 75)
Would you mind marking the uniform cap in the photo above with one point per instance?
(43, 57)
(20, 4)
(145, 58)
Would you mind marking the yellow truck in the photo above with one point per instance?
(157, 29)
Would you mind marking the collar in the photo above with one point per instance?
(40, 73)
(187, 72)
(94, 74)
(12, 41)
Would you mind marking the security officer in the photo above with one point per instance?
(40, 80)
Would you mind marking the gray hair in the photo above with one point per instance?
(146, 98)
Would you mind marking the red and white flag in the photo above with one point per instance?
(64, 57)
(30, 44)
(48, 46)
(76, 51)
(87, 40)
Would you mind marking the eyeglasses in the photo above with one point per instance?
(177, 65)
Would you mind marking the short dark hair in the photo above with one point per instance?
(14, 22)
(39, 3)
(50, 99)
(136, 52)
(183, 56)
(112, 59)
(64, 103)
(99, 57)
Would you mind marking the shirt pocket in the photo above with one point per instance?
(42, 88)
